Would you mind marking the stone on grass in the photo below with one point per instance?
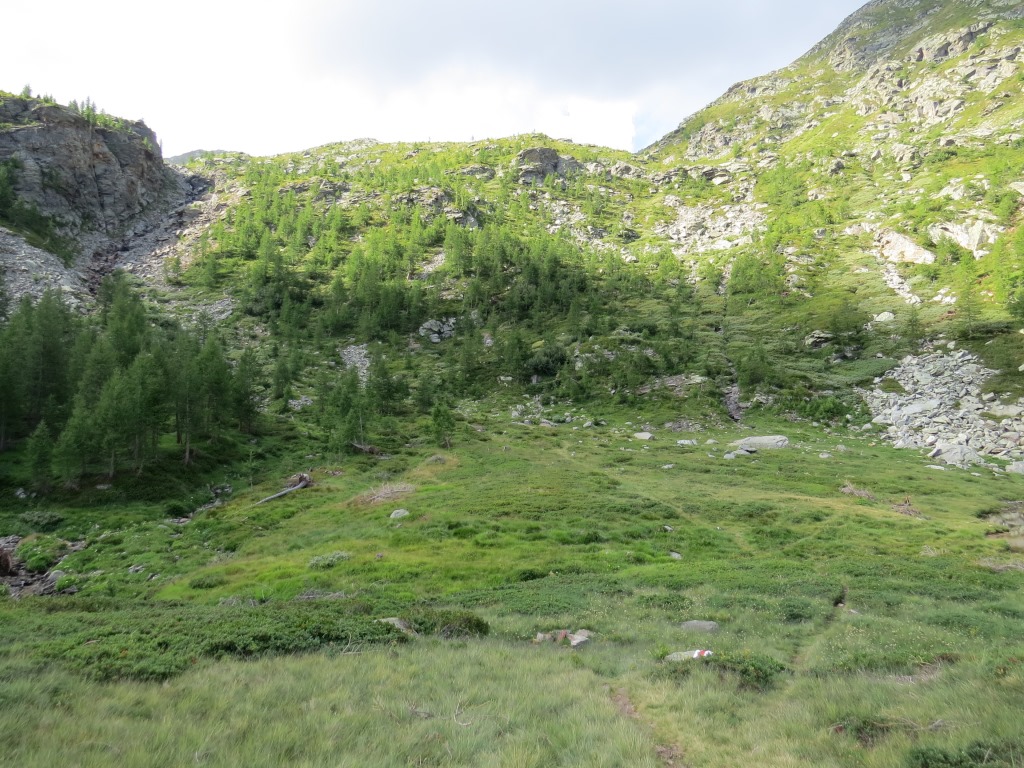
(562, 636)
(1016, 467)
(761, 443)
(687, 655)
(579, 637)
(399, 513)
(675, 555)
(958, 455)
(643, 435)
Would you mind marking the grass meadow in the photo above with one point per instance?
(869, 613)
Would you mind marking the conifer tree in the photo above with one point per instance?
(39, 452)
(443, 424)
(74, 446)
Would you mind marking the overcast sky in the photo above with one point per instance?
(266, 78)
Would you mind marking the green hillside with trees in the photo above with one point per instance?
(464, 454)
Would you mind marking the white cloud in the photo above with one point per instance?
(265, 78)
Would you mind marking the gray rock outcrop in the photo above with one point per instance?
(86, 177)
(896, 247)
(438, 330)
(942, 409)
(537, 163)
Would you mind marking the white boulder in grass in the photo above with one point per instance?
(762, 443)
(686, 655)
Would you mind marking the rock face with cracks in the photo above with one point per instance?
(87, 177)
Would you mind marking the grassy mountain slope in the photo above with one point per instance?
(513, 370)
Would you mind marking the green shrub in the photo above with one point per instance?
(177, 509)
(40, 553)
(672, 672)
(155, 643)
(326, 562)
(208, 581)
(796, 610)
(980, 753)
(755, 671)
(42, 519)
(448, 623)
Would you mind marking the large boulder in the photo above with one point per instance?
(973, 235)
(956, 455)
(899, 248)
(762, 443)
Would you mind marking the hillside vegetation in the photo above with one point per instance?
(506, 386)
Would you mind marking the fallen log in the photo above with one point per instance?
(304, 481)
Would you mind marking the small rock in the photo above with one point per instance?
(579, 637)
(643, 435)
(399, 513)
(675, 555)
(825, 455)
(686, 655)
(817, 339)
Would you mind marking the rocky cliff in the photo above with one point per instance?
(93, 179)
(88, 177)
